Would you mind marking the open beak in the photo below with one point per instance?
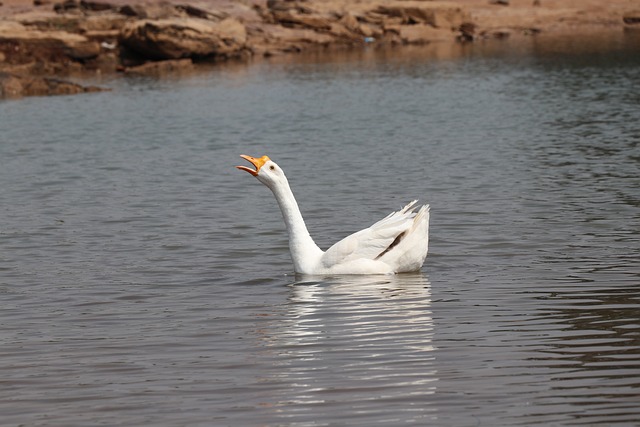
(258, 163)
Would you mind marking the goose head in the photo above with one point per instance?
(266, 170)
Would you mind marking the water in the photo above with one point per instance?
(145, 281)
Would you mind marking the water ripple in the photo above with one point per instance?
(144, 281)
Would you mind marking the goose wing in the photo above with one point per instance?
(372, 242)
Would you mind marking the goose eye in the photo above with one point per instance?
(272, 167)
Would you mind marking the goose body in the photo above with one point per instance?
(397, 243)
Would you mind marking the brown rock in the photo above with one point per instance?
(467, 31)
(82, 51)
(46, 50)
(284, 5)
(290, 18)
(67, 6)
(14, 86)
(184, 38)
(274, 39)
(422, 34)
(106, 36)
(632, 18)
(350, 22)
(343, 34)
(354, 24)
(279, 5)
(48, 21)
(135, 10)
(96, 6)
(102, 22)
(196, 12)
(10, 86)
(437, 14)
(161, 10)
(159, 68)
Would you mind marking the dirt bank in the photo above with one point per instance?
(41, 39)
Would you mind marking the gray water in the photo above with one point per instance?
(145, 281)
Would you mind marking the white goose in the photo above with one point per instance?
(395, 244)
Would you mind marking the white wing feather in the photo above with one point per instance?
(371, 242)
(410, 252)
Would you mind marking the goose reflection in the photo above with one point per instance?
(357, 306)
(357, 342)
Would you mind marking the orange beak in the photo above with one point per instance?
(258, 163)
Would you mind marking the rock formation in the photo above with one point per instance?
(184, 38)
(72, 37)
(16, 86)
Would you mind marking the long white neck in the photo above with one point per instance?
(304, 251)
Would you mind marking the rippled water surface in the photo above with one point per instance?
(145, 281)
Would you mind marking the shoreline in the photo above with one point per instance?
(42, 42)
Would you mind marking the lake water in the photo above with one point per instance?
(145, 281)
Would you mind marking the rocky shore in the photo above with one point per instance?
(43, 41)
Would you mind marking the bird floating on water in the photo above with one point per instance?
(397, 243)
